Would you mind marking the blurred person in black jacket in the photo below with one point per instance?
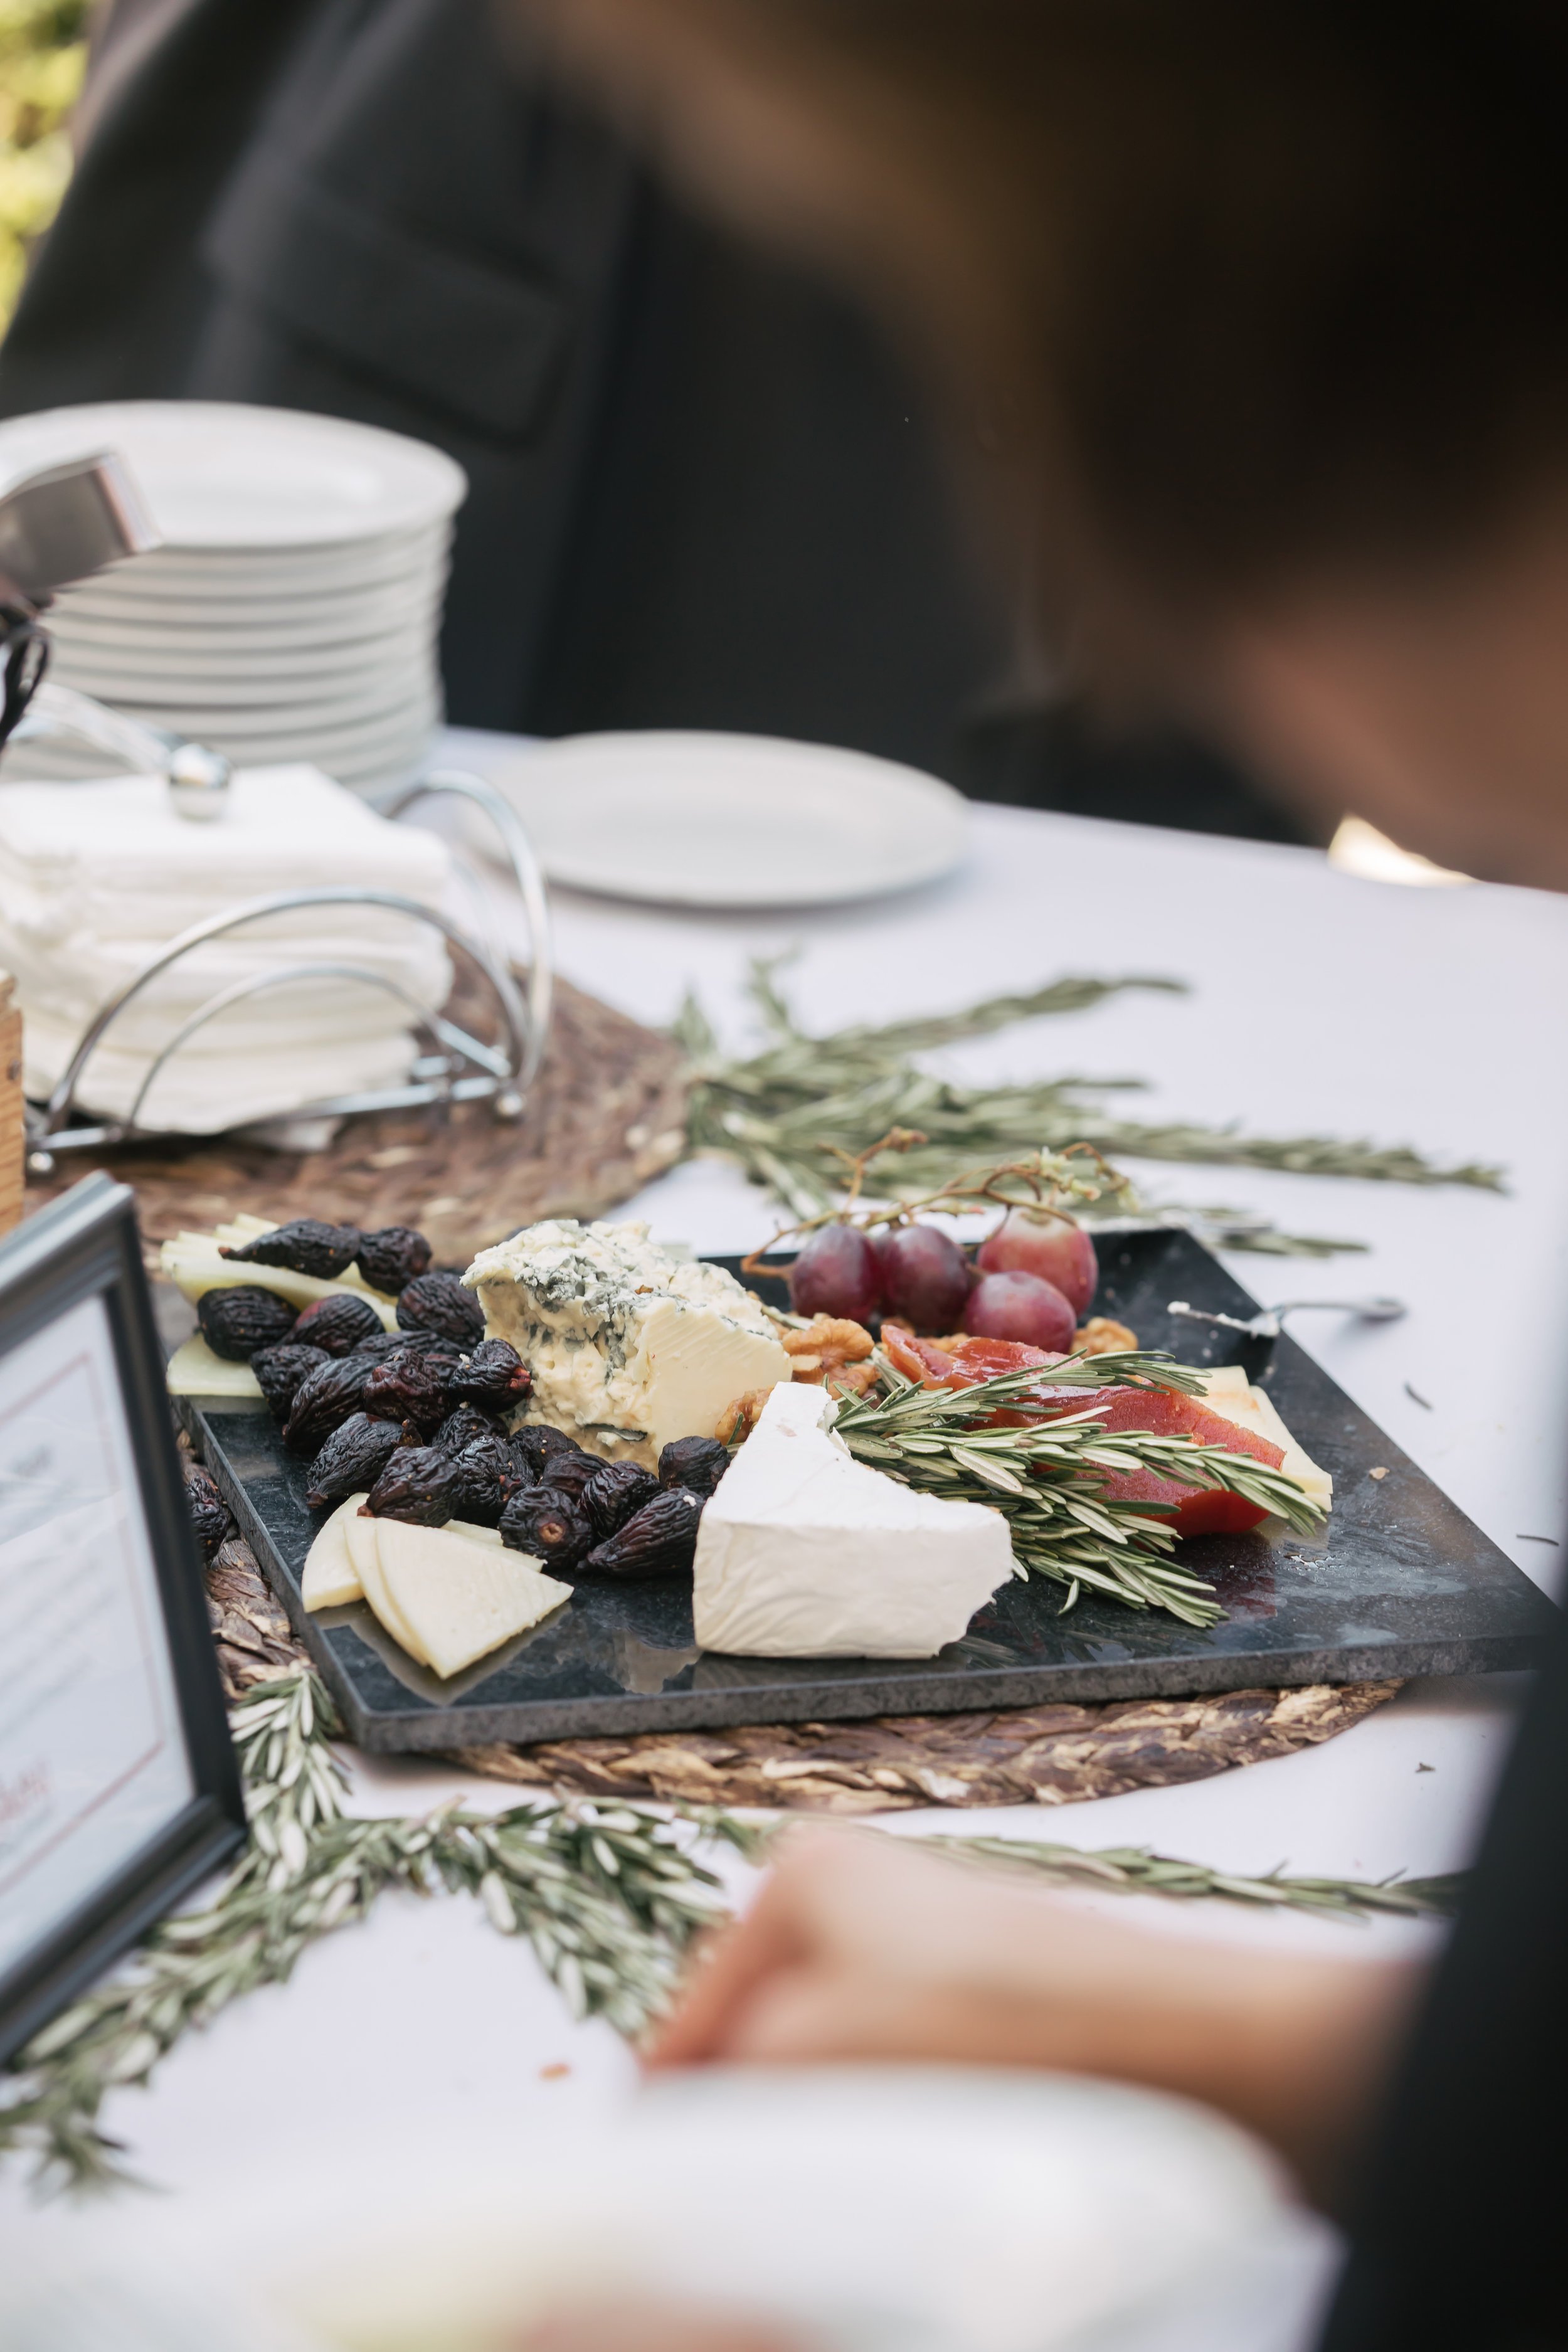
(703, 493)
(1267, 298)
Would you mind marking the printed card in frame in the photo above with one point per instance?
(119, 1789)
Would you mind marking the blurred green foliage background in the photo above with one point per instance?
(43, 52)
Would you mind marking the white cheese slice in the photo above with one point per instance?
(804, 1552)
(629, 1344)
(195, 1370)
(191, 1260)
(365, 1551)
(330, 1577)
(460, 1600)
(474, 1534)
(359, 1568)
(1228, 1388)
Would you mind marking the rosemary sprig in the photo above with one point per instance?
(795, 1113)
(610, 1898)
(1134, 1870)
(1137, 1870)
(1048, 1478)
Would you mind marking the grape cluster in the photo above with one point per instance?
(1030, 1280)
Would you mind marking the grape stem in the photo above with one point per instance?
(1039, 1183)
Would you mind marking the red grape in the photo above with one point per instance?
(926, 1277)
(835, 1274)
(1020, 1307)
(1055, 1248)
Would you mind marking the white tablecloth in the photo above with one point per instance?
(1319, 1004)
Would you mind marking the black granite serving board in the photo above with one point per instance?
(1400, 1583)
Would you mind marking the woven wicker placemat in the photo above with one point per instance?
(1023, 1756)
(607, 1114)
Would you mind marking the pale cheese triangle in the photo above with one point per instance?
(195, 1370)
(192, 1262)
(461, 1600)
(364, 1550)
(330, 1577)
(1231, 1395)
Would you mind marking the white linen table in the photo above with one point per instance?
(1319, 1003)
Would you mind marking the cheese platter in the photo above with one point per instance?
(597, 1486)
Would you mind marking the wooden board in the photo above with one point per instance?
(606, 1115)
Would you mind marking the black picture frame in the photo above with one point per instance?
(85, 1244)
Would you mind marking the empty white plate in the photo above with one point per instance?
(712, 820)
(222, 474)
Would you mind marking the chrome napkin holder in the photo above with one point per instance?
(66, 522)
(451, 1066)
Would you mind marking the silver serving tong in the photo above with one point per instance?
(1270, 1322)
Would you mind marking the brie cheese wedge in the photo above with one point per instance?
(804, 1552)
(459, 1600)
(629, 1344)
(1228, 1390)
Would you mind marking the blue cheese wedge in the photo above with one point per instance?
(629, 1344)
(804, 1552)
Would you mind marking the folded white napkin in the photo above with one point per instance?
(96, 878)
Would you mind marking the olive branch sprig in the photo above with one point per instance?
(1047, 1478)
(609, 1895)
(802, 1110)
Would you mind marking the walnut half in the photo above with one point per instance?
(825, 1345)
(1100, 1336)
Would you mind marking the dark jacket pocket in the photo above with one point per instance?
(466, 337)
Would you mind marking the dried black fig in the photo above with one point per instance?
(355, 1456)
(696, 1462)
(209, 1512)
(420, 1484)
(552, 1526)
(438, 1302)
(484, 1481)
(281, 1371)
(390, 1259)
(614, 1491)
(569, 1473)
(341, 1324)
(323, 1401)
(494, 1375)
(537, 1445)
(657, 1540)
(305, 1246)
(467, 1424)
(236, 1322)
(408, 1387)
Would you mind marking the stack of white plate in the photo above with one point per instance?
(293, 610)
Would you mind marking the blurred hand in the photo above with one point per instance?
(862, 1946)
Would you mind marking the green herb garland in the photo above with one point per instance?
(609, 1895)
(798, 1113)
